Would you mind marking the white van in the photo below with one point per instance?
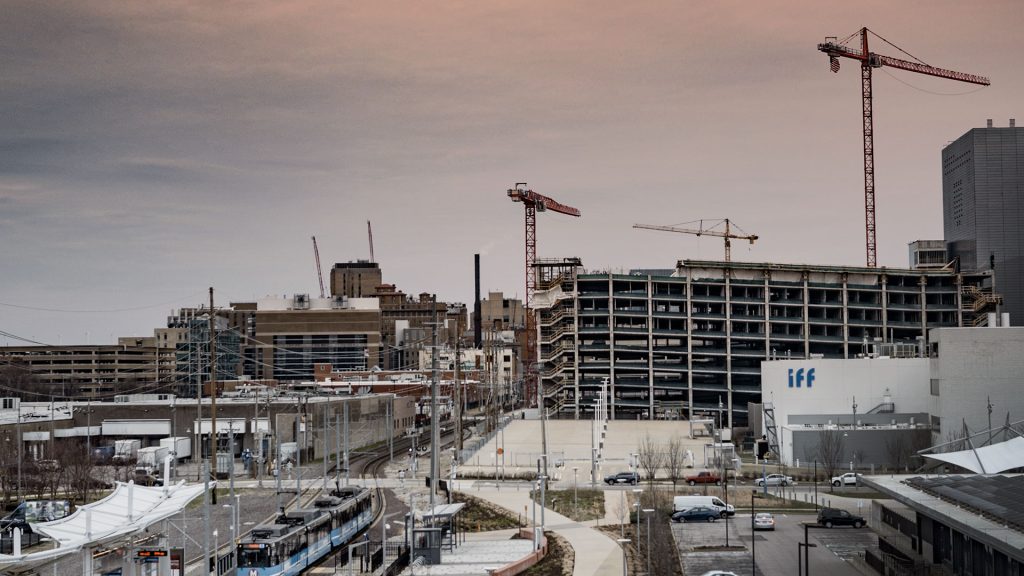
(687, 502)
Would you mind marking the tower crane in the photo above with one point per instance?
(708, 231)
(868, 60)
(320, 275)
(533, 203)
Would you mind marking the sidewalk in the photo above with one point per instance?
(479, 552)
(595, 553)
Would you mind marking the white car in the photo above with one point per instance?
(775, 480)
(848, 479)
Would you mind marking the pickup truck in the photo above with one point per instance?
(704, 478)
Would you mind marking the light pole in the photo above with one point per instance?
(234, 517)
(622, 542)
(647, 514)
(622, 512)
(575, 491)
(753, 550)
(19, 451)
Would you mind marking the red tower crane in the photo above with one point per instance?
(533, 203)
(868, 60)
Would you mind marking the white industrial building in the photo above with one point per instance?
(895, 399)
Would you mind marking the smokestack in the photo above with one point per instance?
(477, 332)
(989, 123)
(1012, 122)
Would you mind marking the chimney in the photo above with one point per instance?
(477, 329)
(989, 123)
(1012, 122)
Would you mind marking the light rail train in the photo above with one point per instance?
(300, 538)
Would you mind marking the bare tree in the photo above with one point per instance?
(902, 448)
(650, 457)
(831, 445)
(8, 470)
(675, 459)
(78, 467)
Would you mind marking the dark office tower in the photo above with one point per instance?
(983, 208)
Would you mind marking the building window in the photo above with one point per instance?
(935, 386)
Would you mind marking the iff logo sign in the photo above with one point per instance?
(800, 375)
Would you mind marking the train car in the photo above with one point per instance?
(300, 538)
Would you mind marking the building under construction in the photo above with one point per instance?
(691, 343)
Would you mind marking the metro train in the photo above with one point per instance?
(300, 538)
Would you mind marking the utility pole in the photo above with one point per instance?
(213, 394)
(435, 430)
(457, 396)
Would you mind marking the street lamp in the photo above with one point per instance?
(575, 501)
(234, 517)
(753, 550)
(647, 513)
(854, 412)
(802, 547)
(622, 542)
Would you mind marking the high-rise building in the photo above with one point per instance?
(355, 279)
(983, 208)
(502, 313)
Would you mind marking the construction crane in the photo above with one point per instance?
(533, 203)
(708, 231)
(369, 232)
(316, 254)
(868, 60)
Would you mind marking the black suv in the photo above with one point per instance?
(829, 517)
(623, 478)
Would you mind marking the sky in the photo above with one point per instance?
(151, 150)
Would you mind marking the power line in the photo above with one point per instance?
(96, 311)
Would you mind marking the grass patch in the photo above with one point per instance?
(862, 494)
(588, 504)
(559, 561)
(482, 516)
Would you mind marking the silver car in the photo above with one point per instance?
(764, 521)
(775, 480)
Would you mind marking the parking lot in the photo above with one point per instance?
(835, 554)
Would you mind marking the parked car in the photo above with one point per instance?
(696, 513)
(764, 521)
(145, 479)
(622, 478)
(829, 517)
(775, 480)
(848, 479)
(704, 478)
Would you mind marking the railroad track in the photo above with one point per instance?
(370, 465)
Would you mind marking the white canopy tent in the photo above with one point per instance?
(990, 459)
(129, 509)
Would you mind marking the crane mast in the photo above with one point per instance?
(532, 203)
(868, 61)
(727, 235)
(319, 273)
